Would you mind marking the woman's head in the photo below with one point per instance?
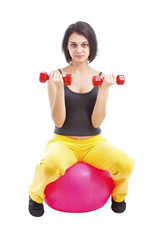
(86, 32)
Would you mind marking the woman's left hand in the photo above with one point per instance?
(108, 81)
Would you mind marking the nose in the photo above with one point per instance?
(79, 48)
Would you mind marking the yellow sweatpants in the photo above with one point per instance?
(63, 152)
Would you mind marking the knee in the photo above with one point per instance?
(126, 167)
(53, 167)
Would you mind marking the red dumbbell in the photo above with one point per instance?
(97, 80)
(43, 77)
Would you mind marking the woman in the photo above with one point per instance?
(78, 112)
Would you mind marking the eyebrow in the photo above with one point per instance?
(81, 42)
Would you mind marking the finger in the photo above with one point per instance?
(57, 77)
(107, 77)
(114, 77)
(51, 75)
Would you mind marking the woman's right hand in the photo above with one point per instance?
(56, 80)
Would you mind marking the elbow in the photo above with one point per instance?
(58, 123)
(96, 125)
(97, 122)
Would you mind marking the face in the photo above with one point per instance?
(78, 47)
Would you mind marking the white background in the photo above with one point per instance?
(30, 42)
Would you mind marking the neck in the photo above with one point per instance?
(80, 67)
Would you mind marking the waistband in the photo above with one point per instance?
(82, 141)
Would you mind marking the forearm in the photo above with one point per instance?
(58, 110)
(99, 111)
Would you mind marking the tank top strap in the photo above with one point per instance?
(60, 71)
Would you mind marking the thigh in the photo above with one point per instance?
(106, 157)
(59, 156)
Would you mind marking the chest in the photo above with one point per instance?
(81, 85)
(81, 102)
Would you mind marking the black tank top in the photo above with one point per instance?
(79, 108)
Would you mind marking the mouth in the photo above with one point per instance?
(79, 56)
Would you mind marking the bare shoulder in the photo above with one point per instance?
(54, 71)
(63, 70)
(66, 69)
(96, 72)
(102, 73)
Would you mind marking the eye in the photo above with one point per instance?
(85, 45)
(73, 45)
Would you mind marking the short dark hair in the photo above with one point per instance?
(86, 30)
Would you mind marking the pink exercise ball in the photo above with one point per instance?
(82, 188)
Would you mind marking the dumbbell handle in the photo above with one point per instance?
(43, 77)
(97, 80)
